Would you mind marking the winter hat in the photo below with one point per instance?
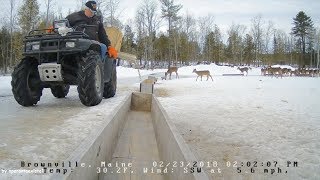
(92, 5)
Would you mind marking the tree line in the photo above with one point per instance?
(187, 39)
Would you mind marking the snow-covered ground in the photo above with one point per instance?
(123, 72)
(242, 118)
(247, 118)
(215, 70)
(52, 129)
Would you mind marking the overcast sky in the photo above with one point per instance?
(225, 12)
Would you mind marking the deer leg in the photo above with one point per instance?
(170, 76)
(211, 77)
(177, 76)
(207, 77)
(201, 77)
(197, 78)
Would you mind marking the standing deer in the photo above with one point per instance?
(264, 71)
(202, 73)
(170, 71)
(275, 71)
(244, 69)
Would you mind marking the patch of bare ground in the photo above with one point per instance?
(162, 92)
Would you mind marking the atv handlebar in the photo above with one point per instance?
(32, 33)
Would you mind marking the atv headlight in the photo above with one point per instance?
(33, 46)
(70, 44)
(36, 47)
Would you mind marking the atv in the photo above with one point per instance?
(60, 58)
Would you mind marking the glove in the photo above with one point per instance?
(112, 52)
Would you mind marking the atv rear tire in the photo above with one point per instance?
(110, 87)
(60, 91)
(26, 84)
(90, 79)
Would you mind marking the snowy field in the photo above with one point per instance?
(53, 128)
(232, 119)
(248, 118)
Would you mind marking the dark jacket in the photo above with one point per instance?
(97, 32)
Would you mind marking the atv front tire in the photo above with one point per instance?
(26, 84)
(60, 91)
(90, 79)
(110, 87)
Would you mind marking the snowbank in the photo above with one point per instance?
(215, 70)
(241, 119)
(123, 72)
(5, 85)
(284, 66)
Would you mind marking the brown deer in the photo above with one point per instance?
(244, 69)
(286, 71)
(294, 72)
(202, 73)
(263, 71)
(275, 71)
(170, 71)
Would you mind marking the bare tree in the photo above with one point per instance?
(189, 24)
(317, 41)
(189, 28)
(257, 33)
(206, 25)
(318, 47)
(267, 37)
(150, 23)
(141, 33)
(49, 5)
(236, 42)
(111, 8)
(11, 29)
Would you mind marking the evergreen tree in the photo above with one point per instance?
(162, 47)
(4, 48)
(303, 28)
(128, 44)
(248, 49)
(28, 15)
(170, 11)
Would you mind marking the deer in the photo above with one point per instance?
(244, 69)
(170, 71)
(275, 71)
(286, 71)
(202, 73)
(263, 71)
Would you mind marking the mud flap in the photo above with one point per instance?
(108, 65)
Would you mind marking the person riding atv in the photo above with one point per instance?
(89, 17)
(76, 51)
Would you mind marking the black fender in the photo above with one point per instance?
(109, 64)
(86, 44)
